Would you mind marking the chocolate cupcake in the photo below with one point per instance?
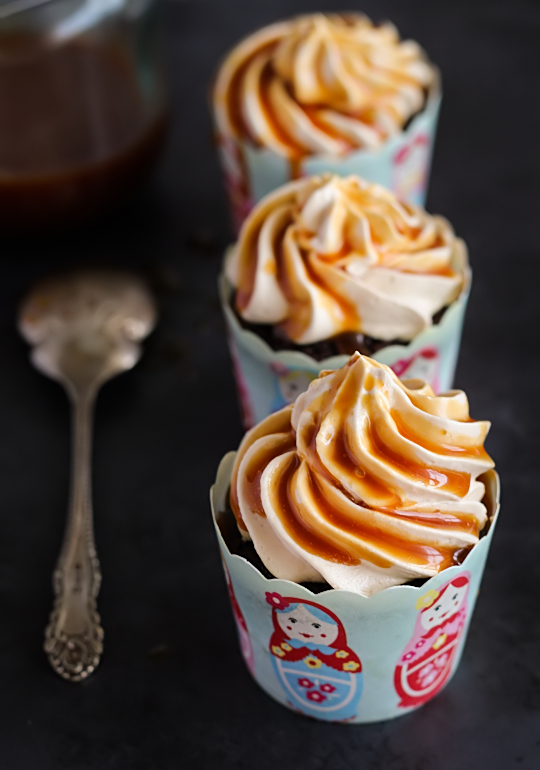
(326, 266)
(325, 93)
(380, 494)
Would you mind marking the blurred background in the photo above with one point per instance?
(172, 689)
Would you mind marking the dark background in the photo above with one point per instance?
(172, 691)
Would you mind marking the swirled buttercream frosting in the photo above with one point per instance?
(366, 482)
(321, 84)
(327, 255)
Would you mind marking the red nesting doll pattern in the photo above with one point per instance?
(426, 663)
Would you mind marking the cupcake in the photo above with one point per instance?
(354, 528)
(325, 93)
(326, 266)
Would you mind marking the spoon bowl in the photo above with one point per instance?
(85, 327)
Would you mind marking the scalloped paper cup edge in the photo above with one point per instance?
(267, 379)
(402, 163)
(384, 632)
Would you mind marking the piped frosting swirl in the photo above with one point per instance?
(321, 84)
(326, 255)
(366, 482)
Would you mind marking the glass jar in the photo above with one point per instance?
(82, 107)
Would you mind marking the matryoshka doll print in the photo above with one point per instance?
(426, 662)
(423, 365)
(236, 185)
(411, 164)
(289, 384)
(241, 626)
(248, 418)
(320, 674)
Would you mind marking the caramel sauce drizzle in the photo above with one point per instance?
(351, 320)
(258, 463)
(298, 529)
(280, 422)
(233, 499)
(450, 481)
(348, 314)
(295, 167)
(370, 487)
(341, 397)
(246, 283)
(401, 549)
(377, 489)
(296, 151)
(312, 113)
(465, 523)
(366, 116)
(249, 264)
(235, 110)
(235, 107)
(449, 450)
(345, 313)
(445, 272)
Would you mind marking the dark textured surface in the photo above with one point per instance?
(172, 690)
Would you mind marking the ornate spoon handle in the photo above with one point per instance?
(74, 637)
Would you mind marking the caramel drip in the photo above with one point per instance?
(351, 317)
(312, 113)
(296, 152)
(297, 528)
(279, 422)
(449, 450)
(249, 267)
(450, 481)
(233, 499)
(235, 97)
(235, 110)
(437, 519)
(371, 488)
(396, 548)
(445, 272)
(257, 465)
(246, 282)
(348, 316)
(295, 166)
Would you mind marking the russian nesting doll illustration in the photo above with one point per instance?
(410, 169)
(320, 674)
(423, 365)
(426, 662)
(248, 419)
(289, 384)
(236, 184)
(241, 626)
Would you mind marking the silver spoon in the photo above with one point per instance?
(85, 328)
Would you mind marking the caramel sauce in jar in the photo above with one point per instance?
(76, 130)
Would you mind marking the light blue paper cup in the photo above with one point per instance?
(268, 380)
(401, 164)
(388, 654)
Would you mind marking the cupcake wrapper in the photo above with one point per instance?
(389, 656)
(402, 163)
(268, 380)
